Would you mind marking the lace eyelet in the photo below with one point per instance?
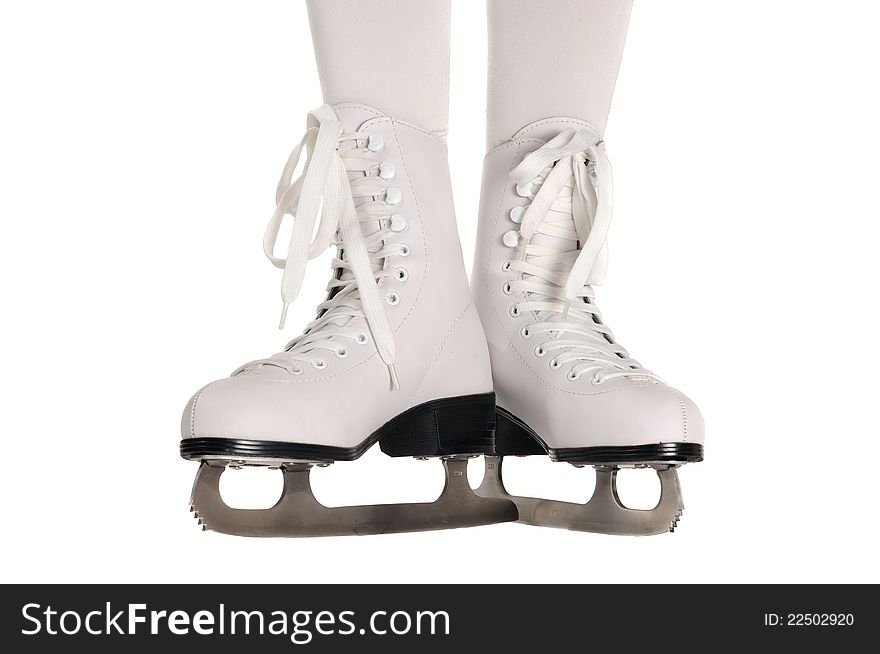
(393, 196)
(375, 143)
(554, 364)
(397, 223)
(362, 339)
(295, 371)
(514, 311)
(511, 238)
(506, 288)
(319, 365)
(524, 332)
(524, 190)
(572, 376)
(506, 265)
(393, 298)
(402, 274)
(387, 170)
(540, 351)
(516, 214)
(597, 381)
(342, 353)
(405, 250)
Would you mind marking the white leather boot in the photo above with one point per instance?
(396, 354)
(564, 387)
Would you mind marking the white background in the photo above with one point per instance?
(139, 146)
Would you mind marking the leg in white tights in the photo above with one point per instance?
(390, 54)
(552, 58)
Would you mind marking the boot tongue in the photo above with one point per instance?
(557, 245)
(353, 118)
(545, 130)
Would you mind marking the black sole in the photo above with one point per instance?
(513, 437)
(453, 425)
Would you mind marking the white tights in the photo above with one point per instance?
(546, 58)
(407, 77)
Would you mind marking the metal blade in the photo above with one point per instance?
(297, 512)
(603, 513)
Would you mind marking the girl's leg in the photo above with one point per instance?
(390, 54)
(552, 58)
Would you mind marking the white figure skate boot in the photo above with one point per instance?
(396, 354)
(564, 387)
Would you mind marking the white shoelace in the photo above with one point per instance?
(324, 197)
(562, 253)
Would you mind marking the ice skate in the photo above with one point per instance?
(396, 354)
(565, 388)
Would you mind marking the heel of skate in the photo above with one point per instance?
(297, 513)
(511, 439)
(449, 426)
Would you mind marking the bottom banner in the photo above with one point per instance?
(433, 618)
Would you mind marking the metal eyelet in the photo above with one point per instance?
(506, 288)
(524, 332)
(342, 353)
(319, 365)
(514, 311)
(393, 298)
(405, 250)
(554, 364)
(572, 376)
(362, 339)
(540, 351)
(402, 274)
(506, 265)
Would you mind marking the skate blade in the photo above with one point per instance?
(298, 514)
(604, 513)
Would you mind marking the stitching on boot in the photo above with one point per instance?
(422, 226)
(442, 347)
(511, 144)
(684, 415)
(192, 411)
